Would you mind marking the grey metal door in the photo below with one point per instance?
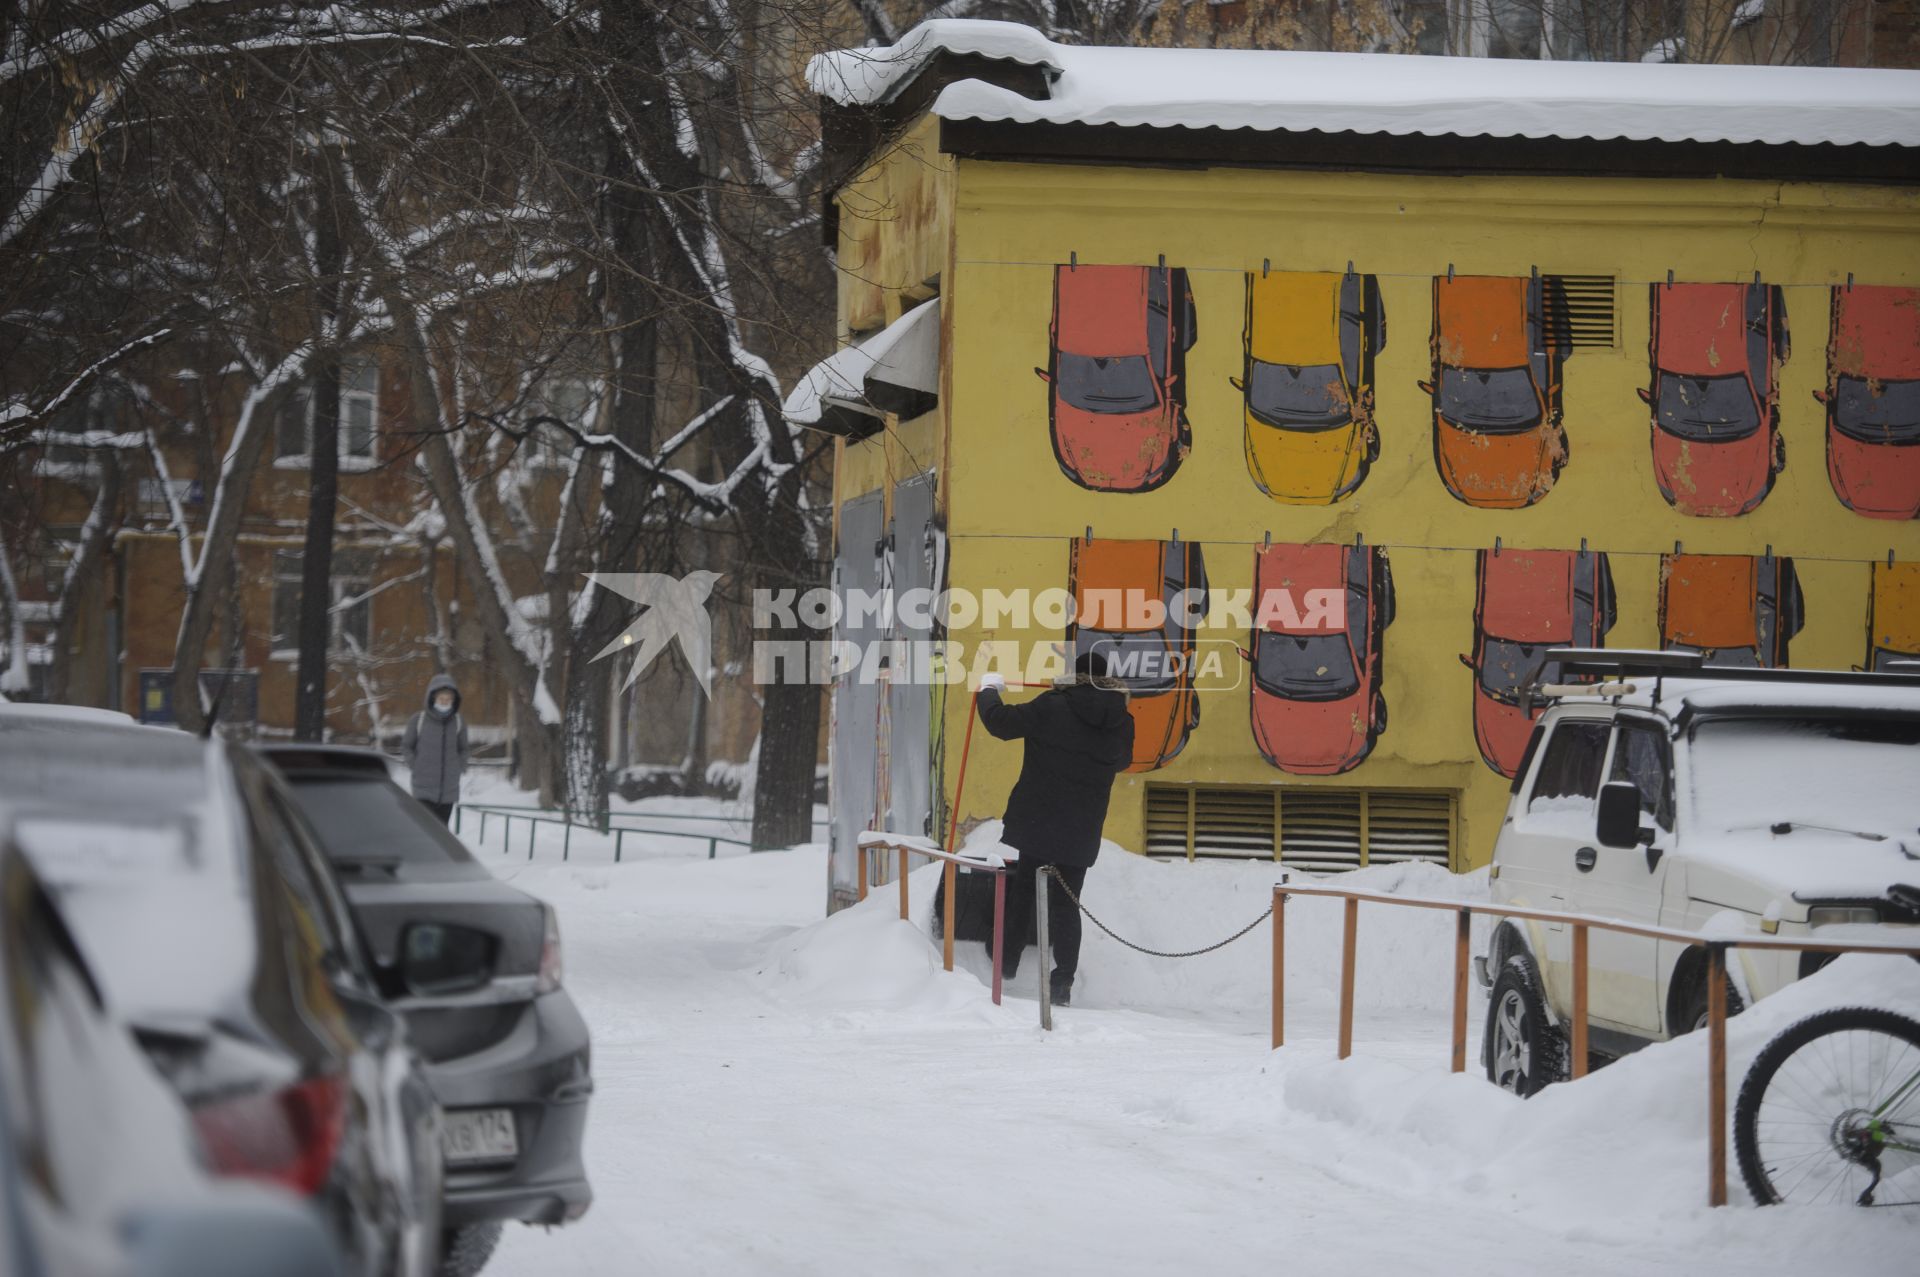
(853, 753)
(915, 548)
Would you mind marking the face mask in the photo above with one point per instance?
(443, 703)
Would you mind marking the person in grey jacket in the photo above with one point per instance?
(436, 748)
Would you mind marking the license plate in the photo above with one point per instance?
(478, 1135)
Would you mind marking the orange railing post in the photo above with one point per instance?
(1349, 934)
(861, 850)
(1462, 941)
(1279, 967)
(903, 884)
(1578, 1047)
(1716, 1075)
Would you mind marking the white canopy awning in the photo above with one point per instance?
(894, 370)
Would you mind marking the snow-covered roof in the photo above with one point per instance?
(894, 370)
(1387, 93)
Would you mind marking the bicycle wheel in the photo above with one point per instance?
(1830, 1110)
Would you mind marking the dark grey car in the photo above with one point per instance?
(508, 1058)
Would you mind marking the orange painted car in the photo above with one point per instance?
(1155, 661)
(1498, 440)
(1306, 382)
(1893, 615)
(1529, 601)
(1116, 374)
(1317, 702)
(1738, 609)
(1873, 401)
(1716, 351)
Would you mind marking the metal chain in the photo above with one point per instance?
(1140, 948)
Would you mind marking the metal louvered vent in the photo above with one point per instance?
(1313, 827)
(1580, 311)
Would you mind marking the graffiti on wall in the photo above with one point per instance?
(1714, 355)
(1873, 400)
(1498, 439)
(1152, 655)
(1736, 609)
(1306, 382)
(1893, 615)
(1528, 601)
(1116, 374)
(1317, 701)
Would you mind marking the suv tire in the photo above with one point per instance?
(466, 1250)
(1525, 1049)
(1693, 1004)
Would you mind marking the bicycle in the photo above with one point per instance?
(1830, 1110)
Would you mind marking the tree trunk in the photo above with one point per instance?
(87, 554)
(316, 557)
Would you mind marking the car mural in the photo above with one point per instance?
(1155, 661)
(1893, 615)
(1715, 355)
(1737, 609)
(1526, 602)
(1873, 400)
(1306, 382)
(1498, 440)
(1116, 374)
(1317, 702)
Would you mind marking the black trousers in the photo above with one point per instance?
(443, 810)
(1063, 918)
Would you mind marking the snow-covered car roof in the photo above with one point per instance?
(1289, 91)
(1706, 697)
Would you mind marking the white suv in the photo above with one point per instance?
(1677, 795)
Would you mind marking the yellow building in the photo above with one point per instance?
(1507, 354)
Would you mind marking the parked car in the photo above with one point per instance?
(1527, 602)
(1692, 798)
(1715, 356)
(1872, 399)
(216, 932)
(1317, 701)
(1116, 374)
(1734, 609)
(1893, 615)
(1156, 662)
(1306, 382)
(506, 1051)
(100, 1171)
(1498, 439)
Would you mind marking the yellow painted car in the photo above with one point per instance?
(1307, 383)
(1893, 615)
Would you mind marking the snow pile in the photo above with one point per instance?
(1389, 93)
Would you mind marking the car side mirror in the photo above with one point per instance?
(1237, 384)
(1646, 396)
(442, 958)
(1426, 387)
(1466, 660)
(1821, 396)
(1043, 375)
(1619, 816)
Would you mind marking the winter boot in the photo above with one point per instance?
(1060, 989)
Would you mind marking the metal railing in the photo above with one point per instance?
(904, 847)
(1716, 947)
(507, 813)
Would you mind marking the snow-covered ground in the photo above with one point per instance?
(783, 1093)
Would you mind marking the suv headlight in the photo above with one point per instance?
(1832, 915)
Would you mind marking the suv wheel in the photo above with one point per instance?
(1525, 1049)
(466, 1250)
(1693, 1007)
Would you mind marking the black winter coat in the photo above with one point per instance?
(1078, 737)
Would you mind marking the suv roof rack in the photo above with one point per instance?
(1618, 663)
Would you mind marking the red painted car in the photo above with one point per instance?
(1716, 351)
(1320, 619)
(1529, 601)
(1116, 374)
(1873, 401)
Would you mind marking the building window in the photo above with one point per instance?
(568, 399)
(351, 630)
(1313, 827)
(359, 415)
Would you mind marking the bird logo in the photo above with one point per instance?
(672, 608)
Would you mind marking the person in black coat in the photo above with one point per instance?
(1078, 736)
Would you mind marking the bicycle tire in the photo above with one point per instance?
(1785, 1045)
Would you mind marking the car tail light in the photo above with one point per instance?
(549, 978)
(287, 1137)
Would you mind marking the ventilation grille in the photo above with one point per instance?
(1313, 827)
(1584, 317)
